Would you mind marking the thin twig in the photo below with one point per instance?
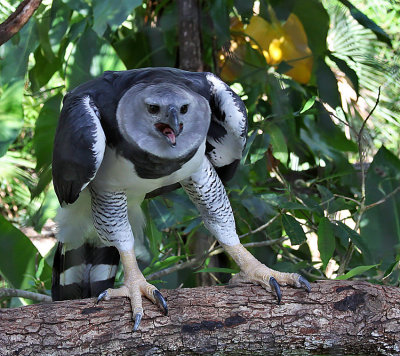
(11, 292)
(347, 198)
(350, 249)
(260, 228)
(199, 260)
(383, 199)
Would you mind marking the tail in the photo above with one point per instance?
(83, 272)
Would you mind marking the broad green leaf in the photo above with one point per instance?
(380, 225)
(349, 72)
(219, 13)
(245, 9)
(111, 13)
(278, 143)
(18, 257)
(326, 240)
(315, 21)
(217, 270)
(47, 210)
(327, 84)
(362, 19)
(293, 229)
(159, 265)
(14, 54)
(155, 238)
(355, 271)
(11, 114)
(346, 233)
(45, 130)
(91, 57)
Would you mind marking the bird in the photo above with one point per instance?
(130, 135)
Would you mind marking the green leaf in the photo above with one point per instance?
(45, 130)
(380, 225)
(308, 105)
(111, 13)
(217, 270)
(159, 265)
(327, 84)
(355, 271)
(14, 54)
(315, 21)
(365, 21)
(11, 114)
(293, 229)
(18, 257)
(326, 240)
(91, 57)
(245, 9)
(346, 233)
(345, 68)
(278, 143)
(220, 15)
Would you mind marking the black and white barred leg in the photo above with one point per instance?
(207, 192)
(110, 217)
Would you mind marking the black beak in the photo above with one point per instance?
(171, 128)
(173, 121)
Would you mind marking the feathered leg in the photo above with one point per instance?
(207, 192)
(110, 218)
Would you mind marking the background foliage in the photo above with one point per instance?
(318, 188)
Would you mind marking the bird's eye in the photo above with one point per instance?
(184, 109)
(153, 109)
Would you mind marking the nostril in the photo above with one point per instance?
(180, 127)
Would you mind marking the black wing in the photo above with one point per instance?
(78, 147)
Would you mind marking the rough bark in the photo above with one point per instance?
(17, 19)
(338, 317)
(190, 57)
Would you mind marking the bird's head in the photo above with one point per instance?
(166, 120)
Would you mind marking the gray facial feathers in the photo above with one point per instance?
(165, 120)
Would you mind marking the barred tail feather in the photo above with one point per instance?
(83, 272)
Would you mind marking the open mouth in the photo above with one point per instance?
(168, 132)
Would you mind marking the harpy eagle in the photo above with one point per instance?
(134, 133)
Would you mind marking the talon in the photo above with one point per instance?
(160, 301)
(306, 284)
(101, 296)
(275, 287)
(138, 318)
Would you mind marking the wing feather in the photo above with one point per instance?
(79, 146)
(227, 134)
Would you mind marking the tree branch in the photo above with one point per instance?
(11, 292)
(17, 19)
(337, 317)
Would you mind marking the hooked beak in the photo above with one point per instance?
(171, 128)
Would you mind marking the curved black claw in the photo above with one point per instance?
(101, 296)
(160, 301)
(275, 287)
(138, 318)
(306, 284)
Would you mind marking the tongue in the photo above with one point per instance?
(170, 134)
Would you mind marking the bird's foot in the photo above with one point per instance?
(271, 279)
(253, 271)
(134, 290)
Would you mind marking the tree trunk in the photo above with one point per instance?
(189, 36)
(337, 317)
